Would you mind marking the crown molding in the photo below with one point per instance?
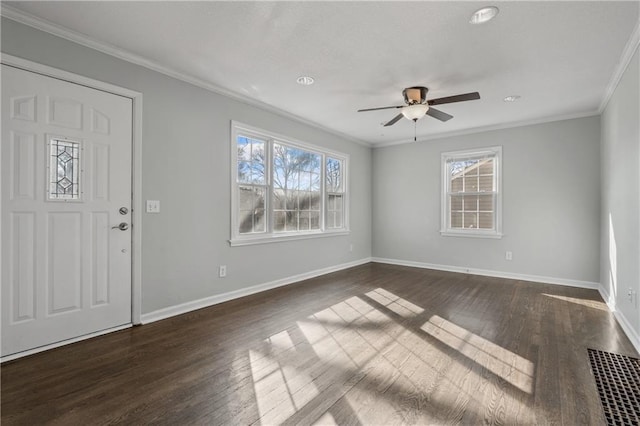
(28, 19)
(501, 126)
(76, 37)
(621, 67)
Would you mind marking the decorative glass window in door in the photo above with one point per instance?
(64, 169)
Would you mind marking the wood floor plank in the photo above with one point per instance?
(374, 344)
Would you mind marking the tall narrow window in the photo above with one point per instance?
(64, 169)
(335, 194)
(285, 189)
(252, 185)
(471, 201)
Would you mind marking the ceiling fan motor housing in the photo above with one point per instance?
(415, 95)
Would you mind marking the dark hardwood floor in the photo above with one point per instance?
(375, 344)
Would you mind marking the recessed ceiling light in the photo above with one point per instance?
(483, 15)
(305, 80)
(511, 98)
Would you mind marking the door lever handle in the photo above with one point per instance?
(122, 226)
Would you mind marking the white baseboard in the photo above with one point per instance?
(607, 298)
(63, 343)
(489, 273)
(621, 318)
(224, 297)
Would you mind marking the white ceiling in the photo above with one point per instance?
(560, 56)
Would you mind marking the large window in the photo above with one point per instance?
(471, 194)
(284, 189)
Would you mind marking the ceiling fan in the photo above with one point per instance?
(417, 105)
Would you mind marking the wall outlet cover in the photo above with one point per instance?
(153, 206)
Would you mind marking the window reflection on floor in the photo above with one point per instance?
(381, 355)
(503, 363)
(584, 302)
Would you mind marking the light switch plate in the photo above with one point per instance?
(153, 206)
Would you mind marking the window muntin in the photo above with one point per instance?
(471, 193)
(284, 189)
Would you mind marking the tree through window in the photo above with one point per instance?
(283, 188)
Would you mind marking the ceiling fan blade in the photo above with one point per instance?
(375, 109)
(436, 113)
(457, 98)
(394, 120)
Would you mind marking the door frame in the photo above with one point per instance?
(136, 183)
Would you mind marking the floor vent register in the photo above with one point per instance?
(618, 381)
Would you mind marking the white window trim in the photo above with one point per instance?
(269, 236)
(445, 230)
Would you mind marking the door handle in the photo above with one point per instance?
(122, 226)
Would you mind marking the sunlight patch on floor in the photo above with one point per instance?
(397, 304)
(326, 420)
(397, 362)
(270, 388)
(280, 388)
(584, 302)
(332, 336)
(379, 363)
(281, 340)
(511, 367)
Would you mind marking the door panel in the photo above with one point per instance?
(66, 172)
(23, 254)
(23, 162)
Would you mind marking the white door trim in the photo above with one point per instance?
(136, 214)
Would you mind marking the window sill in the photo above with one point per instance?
(471, 234)
(246, 241)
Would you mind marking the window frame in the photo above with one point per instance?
(269, 236)
(445, 223)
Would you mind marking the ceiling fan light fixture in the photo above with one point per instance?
(483, 15)
(415, 112)
(305, 80)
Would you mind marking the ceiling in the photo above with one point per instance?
(559, 56)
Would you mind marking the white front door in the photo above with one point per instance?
(66, 183)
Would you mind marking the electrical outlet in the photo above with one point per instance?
(222, 271)
(350, 247)
(508, 255)
(630, 294)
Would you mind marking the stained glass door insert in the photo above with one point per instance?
(64, 169)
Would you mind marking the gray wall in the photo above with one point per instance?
(620, 225)
(551, 202)
(551, 177)
(186, 154)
